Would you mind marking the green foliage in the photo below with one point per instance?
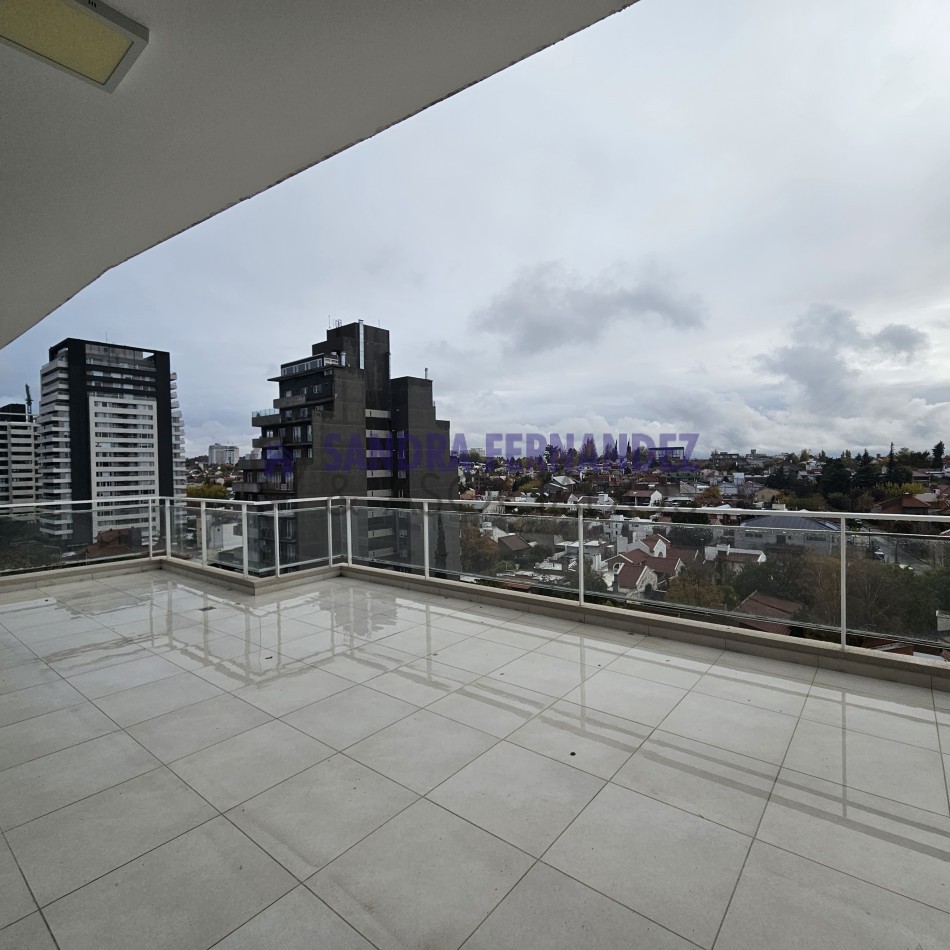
(206, 490)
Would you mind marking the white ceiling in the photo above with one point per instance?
(228, 98)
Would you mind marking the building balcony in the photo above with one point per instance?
(265, 417)
(439, 763)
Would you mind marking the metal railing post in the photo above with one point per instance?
(425, 536)
(276, 540)
(204, 533)
(349, 533)
(843, 554)
(151, 528)
(168, 527)
(329, 532)
(244, 555)
(580, 555)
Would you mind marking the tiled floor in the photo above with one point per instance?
(347, 765)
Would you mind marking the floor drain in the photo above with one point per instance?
(203, 609)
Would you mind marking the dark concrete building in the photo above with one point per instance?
(342, 426)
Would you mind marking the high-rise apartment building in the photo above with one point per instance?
(342, 426)
(109, 428)
(17, 454)
(223, 454)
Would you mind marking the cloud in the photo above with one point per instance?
(824, 326)
(827, 358)
(547, 306)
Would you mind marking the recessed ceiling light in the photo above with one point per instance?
(83, 37)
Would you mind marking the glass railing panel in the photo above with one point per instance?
(302, 536)
(898, 588)
(260, 541)
(536, 553)
(116, 529)
(183, 519)
(25, 545)
(387, 535)
(223, 537)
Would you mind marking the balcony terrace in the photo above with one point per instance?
(353, 758)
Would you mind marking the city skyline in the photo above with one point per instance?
(733, 229)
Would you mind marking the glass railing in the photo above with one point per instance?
(880, 581)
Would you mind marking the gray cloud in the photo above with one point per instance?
(548, 306)
(824, 327)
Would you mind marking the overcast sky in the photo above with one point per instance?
(728, 218)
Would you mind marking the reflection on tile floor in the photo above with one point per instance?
(350, 765)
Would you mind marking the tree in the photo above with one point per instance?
(206, 490)
(938, 454)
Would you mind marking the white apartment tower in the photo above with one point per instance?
(109, 428)
(17, 454)
(223, 454)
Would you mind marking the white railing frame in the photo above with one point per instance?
(346, 502)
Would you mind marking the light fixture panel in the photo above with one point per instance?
(85, 38)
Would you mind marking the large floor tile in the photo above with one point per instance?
(31, 672)
(248, 669)
(349, 716)
(190, 892)
(31, 933)
(205, 653)
(14, 657)
(882, 767)
(713, 783)
(307, 820)
(298, 921)
(544, 674)
(72, 846)
(114, 679)
(587, 739)
(50, 732)
(479, 655)
(364, 662)
(74, 660)
(549, 911)
(183, 731)
(685, 867)
(765, 690)
(916, 725)
(660, 667)
(422, 681)
(628, 697)
(883, 842)
(295, 688)
(43, 785)
(753, 662)
(421, 641)
(748, 730)
(786, 902)
(466, 624)
(425, 879)
(520, 639)
(247, 764)
(15, 899)
(525, 798)
(494, 706)
(871, 688)
(135, 705)
(421, 750)
(37, 700)
(702, 654)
